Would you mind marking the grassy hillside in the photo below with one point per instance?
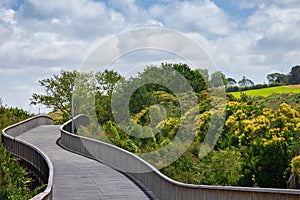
(268, 91)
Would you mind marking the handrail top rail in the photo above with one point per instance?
(22, 122)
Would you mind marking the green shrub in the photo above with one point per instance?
(295, 163)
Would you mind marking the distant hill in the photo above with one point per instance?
(268, 91)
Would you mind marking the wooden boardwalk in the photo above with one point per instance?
(78, 177)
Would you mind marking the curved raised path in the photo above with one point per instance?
(78, 177)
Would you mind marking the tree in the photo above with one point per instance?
(294, 75)
(245, 82)
(277, 78)
(107, 82)
(204, 73)
(270, 163)
(218, 79)
(169, 76)
(295, 164)
(58, 93)
(10, 115)
(222, 167)
(99, 87)
(195, 77)
(230, 82)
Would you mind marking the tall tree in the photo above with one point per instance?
(294, 76)
(96, 87)
(204, 73)
(57, 93)
(245, 82)
(230, 82)
(107, 82)
(196, 78)
(277, 78)
(218, 79)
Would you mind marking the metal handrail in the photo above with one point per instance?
(32, 155)
(162, 186)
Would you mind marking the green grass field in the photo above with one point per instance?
(268, 91)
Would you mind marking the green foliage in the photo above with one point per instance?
(295, 164)
(130, 146)
(245, 82)
(257, 143)
(284, 79)
(294, 76)
(275, 79)
(230, 82)
(218, 79)
(144, 97)
(205, 75)
(276, 99)
(265, 92)
(13, 181)
(196, 78)
(107, 83)
(264, 135)
(152, 93)
(278, 78)
(9, 116)
(222, 167)
(103, 108)
(218, 168)
(99, 86)
(58, 93)
(271, 163)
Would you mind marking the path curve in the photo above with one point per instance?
(78, 177)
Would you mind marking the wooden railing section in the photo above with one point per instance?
(34, 159)
(163, 187)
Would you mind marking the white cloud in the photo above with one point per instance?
(268, 41)
(292, 57)
(162, 43)
(243, 4)
(18, 84)
(128, 8)
(203, 17)
(246, 4)
(7, 16)
(278, 29)
(282, 4)
(38, 38)
(82, 19)
(53, 33)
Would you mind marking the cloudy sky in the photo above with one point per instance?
(39, 38)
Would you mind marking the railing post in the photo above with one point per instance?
(72, 104)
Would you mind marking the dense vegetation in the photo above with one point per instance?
(14, 182)
(258, 144)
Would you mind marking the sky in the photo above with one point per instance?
(40, 38)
